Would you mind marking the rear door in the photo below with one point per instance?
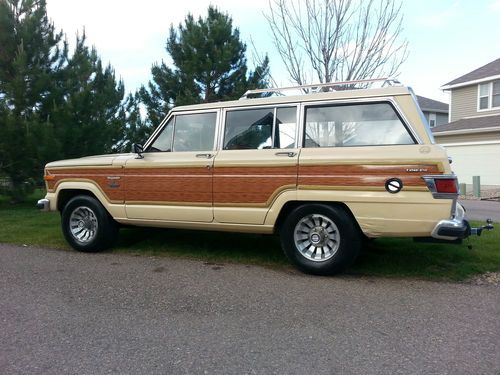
(173, 180)
(258, 161)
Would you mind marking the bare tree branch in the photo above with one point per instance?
(337, 40)
(258, 60)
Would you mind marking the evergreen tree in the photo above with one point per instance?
(51, 106)
(88, 120)
(29, 55)
(209, 64)
(136, 129)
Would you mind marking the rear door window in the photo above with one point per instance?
(260, 128)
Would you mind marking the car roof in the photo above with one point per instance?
(305, 98)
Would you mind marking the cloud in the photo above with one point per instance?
(495, 5)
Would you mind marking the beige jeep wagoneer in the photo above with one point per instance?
(323, 170)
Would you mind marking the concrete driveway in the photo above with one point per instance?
(63, 312)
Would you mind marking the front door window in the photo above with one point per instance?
(187, 132)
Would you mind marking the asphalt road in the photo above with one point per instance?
(481, 210)
(65, 312)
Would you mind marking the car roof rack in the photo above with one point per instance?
(321, 87)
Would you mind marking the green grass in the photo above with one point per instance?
(389, 257)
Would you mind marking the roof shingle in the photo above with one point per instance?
(488, 70)
(430, 105)
(471, 123)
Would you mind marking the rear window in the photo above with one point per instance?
(351, 125)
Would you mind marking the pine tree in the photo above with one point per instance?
(30, 53)
(209, 64)
(136, 129)
(52, 106)
(88, 120)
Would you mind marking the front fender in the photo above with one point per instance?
(115, 208)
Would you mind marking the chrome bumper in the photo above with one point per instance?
(43, 204)
(457, 227)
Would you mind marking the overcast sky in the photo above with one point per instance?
(447, 38)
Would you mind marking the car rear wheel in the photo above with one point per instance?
(320, 239)
(86, 224)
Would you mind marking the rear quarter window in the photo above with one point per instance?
(370, 124)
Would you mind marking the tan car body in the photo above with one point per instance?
(246, 190)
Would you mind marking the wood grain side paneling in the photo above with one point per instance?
(251, 185)
(113, 189)
(237, 186)
(181, 185)
(364, 175)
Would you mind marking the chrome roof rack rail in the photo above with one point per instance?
(321, 87)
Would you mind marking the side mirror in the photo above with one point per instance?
(138, 149)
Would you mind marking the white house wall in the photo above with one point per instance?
(476, 159)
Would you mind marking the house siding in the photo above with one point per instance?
(441, 118)
(464, 103)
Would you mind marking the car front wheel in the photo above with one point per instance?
(86, 224)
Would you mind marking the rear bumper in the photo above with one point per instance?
(457, 228)
(452, 229)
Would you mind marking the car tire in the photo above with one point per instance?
(86, 224)
(320, 239)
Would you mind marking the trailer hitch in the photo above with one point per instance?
(479, 230)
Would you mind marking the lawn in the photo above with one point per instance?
(22, 224)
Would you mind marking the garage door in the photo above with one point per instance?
(476, 160)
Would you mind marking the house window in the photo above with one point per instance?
(495, 102)
(489, 95)
(432, 120)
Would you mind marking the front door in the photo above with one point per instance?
(173, 180)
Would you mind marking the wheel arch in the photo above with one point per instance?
(65, 195)
(289, 206)
(70, 189)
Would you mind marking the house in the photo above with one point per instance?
(434, 111)
(472, 136)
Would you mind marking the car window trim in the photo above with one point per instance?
(414, 136)
(275, 107)
(174, 114)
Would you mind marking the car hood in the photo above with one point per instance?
(96, 160)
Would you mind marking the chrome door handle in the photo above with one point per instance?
(290, 154)
(206, 156)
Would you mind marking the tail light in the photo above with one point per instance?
(446, 185)
(442, 186)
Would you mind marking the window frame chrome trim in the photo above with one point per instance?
(300, 115)
(275, 108)
(406, 123)
(173, 113)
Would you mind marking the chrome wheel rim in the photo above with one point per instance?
(316, 237)
(83, 224)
